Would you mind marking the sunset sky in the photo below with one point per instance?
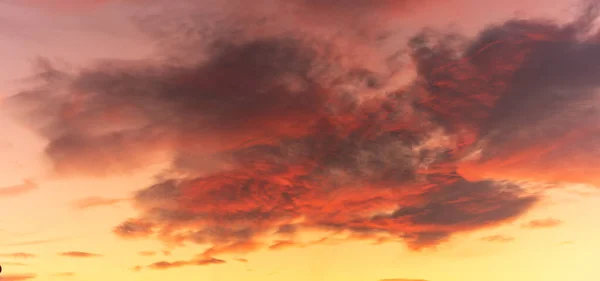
(326, 140)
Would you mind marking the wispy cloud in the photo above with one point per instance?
(64, 274)
(181, 263)
(543, 223)
(90, 202)
(77, 254)
(498, 238)
(147, 253)
(21, 255)
(17, 190)
(17, 277)
(35, 242)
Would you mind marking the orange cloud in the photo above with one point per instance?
(147, 253)
(19, 255)
(17, 190)
(76, 254)
(498, 238)
(543, 223)
(64, 274)
(167, 265)
(90, 202)
(18, 277)
(137, 268)
(283, 244)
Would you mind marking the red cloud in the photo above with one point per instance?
(273, 135)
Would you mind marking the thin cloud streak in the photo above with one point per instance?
(94, 201)
(77, 254)
(20, 255)
(16, 190)
(18, 277)
(498, 238)
(35, 242)
(543, 223)
(64, 274)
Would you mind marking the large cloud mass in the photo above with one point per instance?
(273, 135)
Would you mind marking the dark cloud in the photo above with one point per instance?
(76, 254)
(498, 238)
(270, 135)
(17, 190)
(543, 223)
(546, 117)
(90, 202)
(18, 277)
(19, 255)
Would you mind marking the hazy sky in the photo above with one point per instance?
(356, 140)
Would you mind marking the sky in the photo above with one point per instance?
(389, 140)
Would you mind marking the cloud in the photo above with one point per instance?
(17, 190)
(65, 5)
(34, 242)
(401, 279)
(64, 274)
(201, 262)
(91, 202)
(271, 134)
(543, 223)
(19, 255)
(18, 277)
(147, 253)
(76, 254)
(137, 268)
(282, 244)
(498, 238)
